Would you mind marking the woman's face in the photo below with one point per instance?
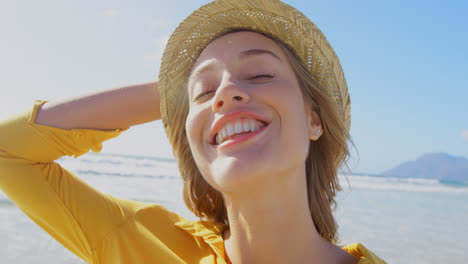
(247, 122)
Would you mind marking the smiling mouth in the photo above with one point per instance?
(238, 128)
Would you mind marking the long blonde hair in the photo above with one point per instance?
(325, 156)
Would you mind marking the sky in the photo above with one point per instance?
(405, 62)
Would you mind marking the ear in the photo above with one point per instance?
(314, 124)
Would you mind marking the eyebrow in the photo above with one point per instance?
(204, 67)
(253, 52)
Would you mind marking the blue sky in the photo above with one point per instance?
(405, 63)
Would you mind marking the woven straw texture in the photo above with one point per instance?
(270, 17)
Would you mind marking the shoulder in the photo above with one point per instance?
(156, 223)
(152, 232)
(365, 255)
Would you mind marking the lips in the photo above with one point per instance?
(236, 123)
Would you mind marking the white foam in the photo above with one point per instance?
(397, 184)
(138, 177)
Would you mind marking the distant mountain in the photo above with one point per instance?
(439, 166)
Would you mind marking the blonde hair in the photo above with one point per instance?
(325, 156)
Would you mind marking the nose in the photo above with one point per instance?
(228, 95)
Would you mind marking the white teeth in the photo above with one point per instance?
(223, 133)
(239, 126)
(245, 125)
(252, 125)
(230, 129)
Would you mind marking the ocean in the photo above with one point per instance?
(401, 220)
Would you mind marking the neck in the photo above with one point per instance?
(271, 223)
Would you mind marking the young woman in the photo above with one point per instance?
(255, 105)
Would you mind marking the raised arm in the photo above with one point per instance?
(70, 210)
(108, 110)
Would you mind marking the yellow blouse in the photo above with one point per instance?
(98, 227)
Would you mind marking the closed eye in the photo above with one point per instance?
(258, 77)
(200, 96)
(261, 76)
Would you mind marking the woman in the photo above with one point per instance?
(256, 107)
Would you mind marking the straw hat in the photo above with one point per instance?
(270, 17)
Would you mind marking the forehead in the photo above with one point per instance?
(232, 44)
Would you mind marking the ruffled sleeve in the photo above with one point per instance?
(365, 255)
(209, 233)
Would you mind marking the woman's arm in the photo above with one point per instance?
(108, 110)
(70, 210)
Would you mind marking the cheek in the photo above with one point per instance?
(293, 115)
(190, 128)
(290, 101)
(200, 154)
(194, 130)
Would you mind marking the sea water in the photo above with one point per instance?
(401, 220)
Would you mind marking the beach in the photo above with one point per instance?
(401, 220)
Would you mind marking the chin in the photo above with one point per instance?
(231, 174)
